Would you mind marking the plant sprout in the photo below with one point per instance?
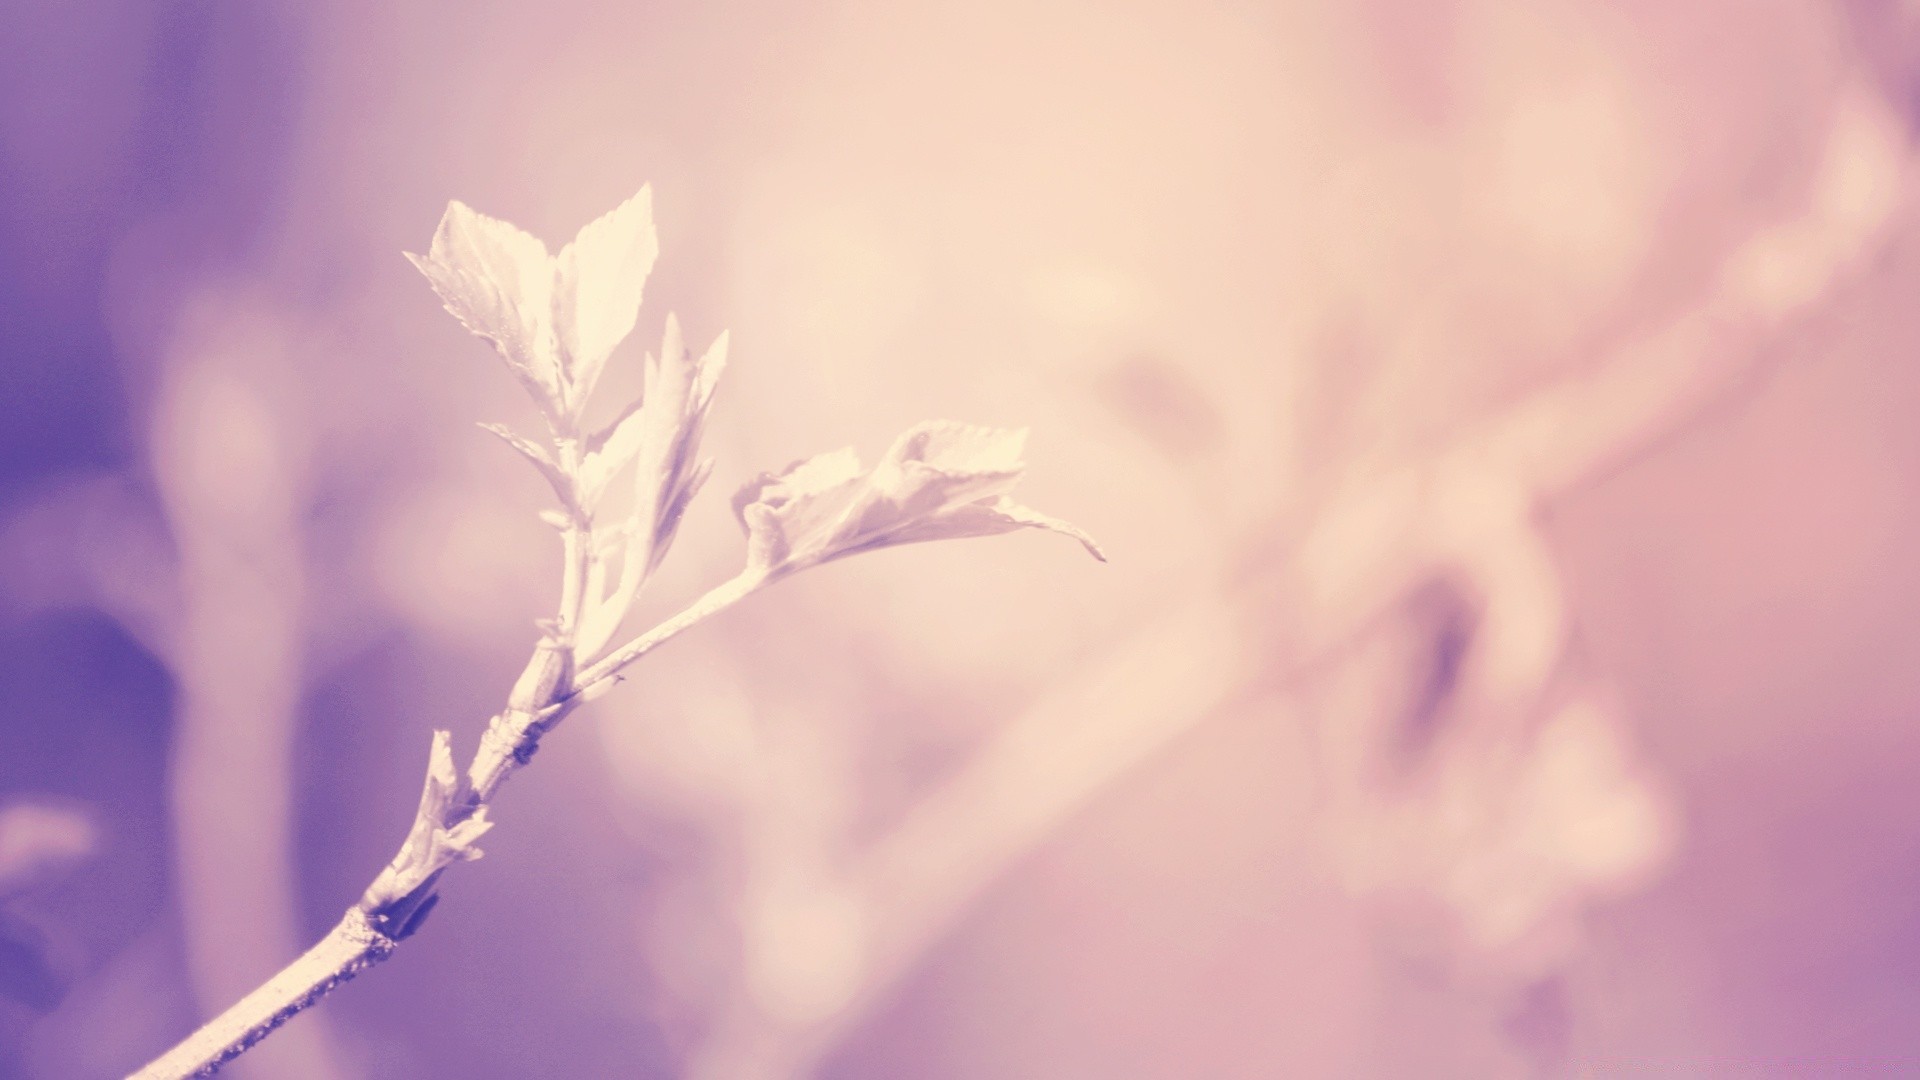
(556, 320)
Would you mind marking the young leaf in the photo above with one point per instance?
(432, 844)
(662, 438)
(556, 476)
(668, 470)
(938, 481)
(609, 450)
(793, 517)
(598, 282)
(432, 841)
(555, 319)
(498, 281)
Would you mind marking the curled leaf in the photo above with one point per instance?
(939, 481)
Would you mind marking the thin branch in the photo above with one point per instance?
(943, 498)
(349, 948)
(399, 899)
(593, 680)
(577, 544)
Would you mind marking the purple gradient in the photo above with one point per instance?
(1244, 271)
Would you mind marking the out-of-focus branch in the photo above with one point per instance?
(1653, 386)
(1354, 563)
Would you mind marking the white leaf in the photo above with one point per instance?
(556, 476)
(662, 439)
(610, 450)
(938, 481)
(433, 844)
(668, 523)
(793, 516)
(498, 281)
(988, 519)
(668, 470)
(598, 282)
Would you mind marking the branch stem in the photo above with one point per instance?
(592, 681)
(352, 946)
(578, 544)
(402, 894)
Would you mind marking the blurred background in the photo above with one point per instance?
(1497, 415)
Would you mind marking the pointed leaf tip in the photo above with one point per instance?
(498, 282)
(556, 477)
(660, 437)
(940, 480)
(599, 281)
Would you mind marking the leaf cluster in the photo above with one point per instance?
(556, 320)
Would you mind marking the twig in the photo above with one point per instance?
(349, 948)
(554, 320)
(397, 902)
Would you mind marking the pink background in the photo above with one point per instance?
(1250, 273)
